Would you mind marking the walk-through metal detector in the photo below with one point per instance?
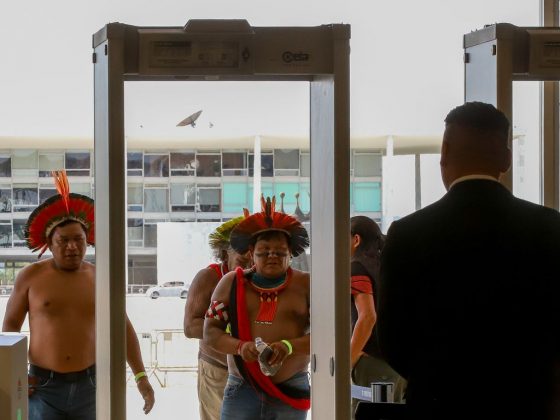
(500, 54)
(216, 50)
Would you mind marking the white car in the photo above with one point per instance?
(170, 288)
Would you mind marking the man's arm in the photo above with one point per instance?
(198, 300)
(364, 325)
(134, 359)
(214, 328)
(394, 327)
(18, 303)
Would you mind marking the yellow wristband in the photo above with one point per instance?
(289, 345)
(139, 376)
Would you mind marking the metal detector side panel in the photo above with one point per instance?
(481, 62)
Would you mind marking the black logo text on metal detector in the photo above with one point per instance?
(289, 57)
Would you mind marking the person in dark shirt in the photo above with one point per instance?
(366, 243)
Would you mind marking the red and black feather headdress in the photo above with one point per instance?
(58, 209)
(246, 232)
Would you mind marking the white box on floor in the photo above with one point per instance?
(13, 376)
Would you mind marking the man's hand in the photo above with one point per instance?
(147, 393)
(248, 351)
(279, 353)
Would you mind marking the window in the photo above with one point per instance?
(150, 234)
(24, 163)
(267, 164)
(209, 165)
(366, 196)
(19, 232)
(305, 197)
(367, 164)
(82, 188)
(135, 197)
(135, 232)
(209, 198)
(26, 197)
(5, 166)
(156, 166)
(234, 164)
(286, 162)
(235, 196)
(5, 199)
(142, 274)
(156, 200)
(49, 162)
(5, 234)
(46, 193)
(134, 163)
(183, 164)
(183, 197)
(78, 163)
(305, 165)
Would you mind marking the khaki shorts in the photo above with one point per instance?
(211, 383)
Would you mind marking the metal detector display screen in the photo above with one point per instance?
(194, 54)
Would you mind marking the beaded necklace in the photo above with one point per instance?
(268, 290)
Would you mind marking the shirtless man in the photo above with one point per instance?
(212, 365)
(59, 295)
(270, 301)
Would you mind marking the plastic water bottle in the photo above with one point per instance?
(264, 353)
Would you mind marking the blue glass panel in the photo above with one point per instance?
(235, 197)
(266, 189)
(289, 189)
(305, 197)
(366, 196)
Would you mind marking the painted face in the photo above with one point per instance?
(238, 260)
(271, 256)
(68, 246)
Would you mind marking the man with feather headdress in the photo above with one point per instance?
(212, 365)
(270, 301)
(59, 295)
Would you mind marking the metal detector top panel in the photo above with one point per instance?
(224, 50)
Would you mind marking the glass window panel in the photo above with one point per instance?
(366, 196)
(150, 235)
(50, 162)
(234, 164)
(135, 232)
(134, 163)
(305, 197)
(305, 165)
(135, 197)
(46, 193)
(5, 166)
(267, 165)
(156, 200)
(24, 159)
(78, 163)
(19, 231)
(209, 165)
(290, 189)
(183, 197)
(267, 190)
(82, 188)
(156, 166)
(145, 275)
(5, 199)
(286, 159)
(367, 165)
(235, 197)
(25, 195)
(209, 199)
(183, 164)
(5, 236)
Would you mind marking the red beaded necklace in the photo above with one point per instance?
(269, 300)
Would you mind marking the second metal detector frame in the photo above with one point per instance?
(217, 50)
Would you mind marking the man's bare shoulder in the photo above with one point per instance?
(301, 276)
(34, 270)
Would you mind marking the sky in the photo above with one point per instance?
(406, 64)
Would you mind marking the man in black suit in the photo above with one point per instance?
(469, 303)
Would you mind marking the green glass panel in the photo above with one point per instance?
(235, 197)
(366, 196)
(267, 190)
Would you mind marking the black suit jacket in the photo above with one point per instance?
(469, 305)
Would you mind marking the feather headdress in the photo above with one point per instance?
(246, 232)
(219, 239)
(58, 209)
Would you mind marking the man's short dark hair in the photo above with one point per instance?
(479, 116)
(271, 234)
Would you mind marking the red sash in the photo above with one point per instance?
(217, 268)
(264, 382)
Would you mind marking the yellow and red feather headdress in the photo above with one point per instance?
(245, 233)
(58, 209)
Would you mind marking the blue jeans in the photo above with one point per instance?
(243, 402)
(56, 399)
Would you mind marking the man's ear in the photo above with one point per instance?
(356, 240)
(444, 154)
